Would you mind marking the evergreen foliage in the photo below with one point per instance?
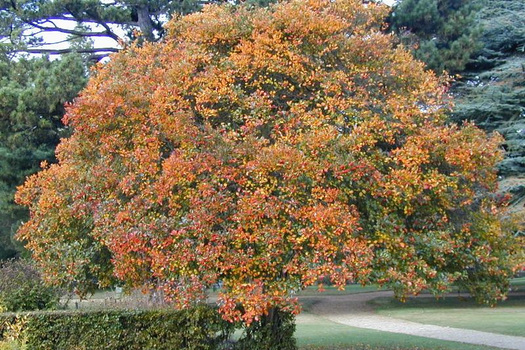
(32, 96)
(22, 22)
(441, 33)
(492, 90)
(199, 328)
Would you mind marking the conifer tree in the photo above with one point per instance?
(32, 95)
(442, 33)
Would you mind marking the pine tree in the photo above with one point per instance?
(32, 96)
(441, 33)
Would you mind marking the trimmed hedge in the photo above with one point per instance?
(198, 328)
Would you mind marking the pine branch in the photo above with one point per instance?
(41, 50)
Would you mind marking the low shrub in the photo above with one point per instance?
(22, 289)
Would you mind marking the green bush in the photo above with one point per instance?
(197, 328)
(22, 289)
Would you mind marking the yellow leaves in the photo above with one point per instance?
(215, 25)
(328, 195)
(413, 154)
(303, 21)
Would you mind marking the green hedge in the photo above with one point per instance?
(198, 328)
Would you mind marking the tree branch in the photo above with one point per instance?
(55, 28)
(41, 50)
(89, 20)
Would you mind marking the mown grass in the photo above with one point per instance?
(316, 333)
(508, 317)
(517, 284)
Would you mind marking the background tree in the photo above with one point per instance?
(442, 33)
(492, 92)
(490, 86)
(269, 149)
(32, 96)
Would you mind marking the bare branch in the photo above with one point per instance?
(56, 42)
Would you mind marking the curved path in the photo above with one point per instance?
(353, 310)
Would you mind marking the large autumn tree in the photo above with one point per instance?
(268, 149)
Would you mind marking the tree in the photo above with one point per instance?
(32, 94)
(492, 91)
(441, 33)
(23, 22)
(268, 149)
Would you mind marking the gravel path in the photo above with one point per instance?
(353, 310)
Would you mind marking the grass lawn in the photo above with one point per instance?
(518, 284)
(508, 317)
(316, 333)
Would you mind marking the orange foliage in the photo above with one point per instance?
(267, 149)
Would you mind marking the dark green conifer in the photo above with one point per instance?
(442, 33)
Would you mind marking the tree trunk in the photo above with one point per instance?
(144, 22)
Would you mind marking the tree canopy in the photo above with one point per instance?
(268, 149)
